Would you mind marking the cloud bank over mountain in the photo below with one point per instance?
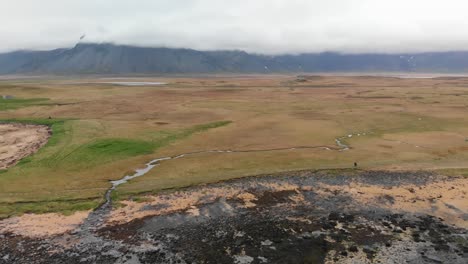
(260, 26)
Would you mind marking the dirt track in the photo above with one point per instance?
(297, 217)
(19, 140)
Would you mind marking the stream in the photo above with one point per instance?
(97, 217)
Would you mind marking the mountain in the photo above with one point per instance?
(89, 58)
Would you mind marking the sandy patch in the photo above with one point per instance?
(19, 140)
(442, 198)
(32, 225)
(169, 203)
(247, 198)
(445, 199)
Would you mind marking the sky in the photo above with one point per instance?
(257, 26)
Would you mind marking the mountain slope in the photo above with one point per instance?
(109, 58)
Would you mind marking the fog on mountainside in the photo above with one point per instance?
(90, 58)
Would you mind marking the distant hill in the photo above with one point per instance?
(114, 59)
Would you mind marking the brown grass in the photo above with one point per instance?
(409, 130)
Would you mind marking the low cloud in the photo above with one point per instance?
(259, 26)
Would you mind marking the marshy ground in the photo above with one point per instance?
(409, 138)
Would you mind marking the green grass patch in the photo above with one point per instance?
(42, 207)
(120, 147)
(102, 151)
(62, 175)
(107, 150)
(35, 121)
(15, 103)
(99, 151)
(165, 138)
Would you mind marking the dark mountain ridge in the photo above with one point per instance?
(90, 58)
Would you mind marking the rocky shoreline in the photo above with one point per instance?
(297, 217)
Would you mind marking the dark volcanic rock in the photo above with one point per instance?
(330, 227)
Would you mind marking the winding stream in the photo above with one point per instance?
(97, 217)
(343, 146)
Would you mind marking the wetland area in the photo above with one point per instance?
(234, 169)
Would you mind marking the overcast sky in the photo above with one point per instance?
(260, 26)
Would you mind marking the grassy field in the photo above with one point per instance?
(14, 103)
(102, 132)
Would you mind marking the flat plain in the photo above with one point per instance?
(102, 131)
